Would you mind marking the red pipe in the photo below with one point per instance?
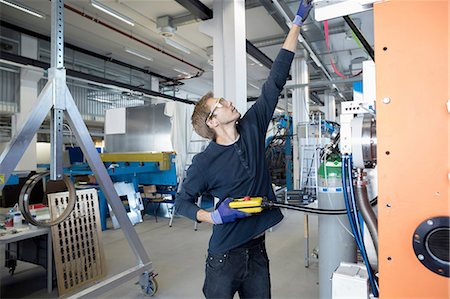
(201, 71)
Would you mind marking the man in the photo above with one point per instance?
(233, 166)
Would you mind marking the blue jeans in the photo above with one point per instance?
(244, 270)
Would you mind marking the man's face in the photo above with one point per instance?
(222, 111)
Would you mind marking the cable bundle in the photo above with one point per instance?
(355, 218)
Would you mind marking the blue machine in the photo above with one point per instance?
(155, 168)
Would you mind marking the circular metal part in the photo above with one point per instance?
(431, 243)
(364, 141)
(386, 100)
(25, 194)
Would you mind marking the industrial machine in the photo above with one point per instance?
(279, 152)
(405, 248)
(146, 168)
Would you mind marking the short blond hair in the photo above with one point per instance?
(198, 118)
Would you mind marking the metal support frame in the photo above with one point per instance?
(56, 97)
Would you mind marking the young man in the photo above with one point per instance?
(233, 166)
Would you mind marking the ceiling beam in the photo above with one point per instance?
(197, 8)
(203, 12)
(274, 14)
(72, 73)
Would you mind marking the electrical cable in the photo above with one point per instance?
(328, 194)
(337, 72)
(354, 219)
(358, 219)
(310, 210)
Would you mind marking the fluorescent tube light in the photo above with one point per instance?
(177, 45)
(24, 8)
(138, 54)
(112, 12)
(182, 72)
(254, 60)
(95, 99)
(253, 85)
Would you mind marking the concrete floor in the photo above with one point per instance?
(178, 255)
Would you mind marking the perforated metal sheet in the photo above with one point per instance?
(77, 242)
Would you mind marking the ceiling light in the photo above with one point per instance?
(112, 12)
(253, 85)
(177, 45)
(254, 60)
(182, 72)
(95, 99)
(24, 8)
(138, 54)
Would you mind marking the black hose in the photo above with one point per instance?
(312, 210)
(367, 212)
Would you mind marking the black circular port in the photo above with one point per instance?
(431, 243)
(438, 244)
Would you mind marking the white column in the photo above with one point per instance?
(330, 106)
(28, 96)
(229, 51)
(300, 109)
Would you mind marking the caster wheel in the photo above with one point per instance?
(148, 283)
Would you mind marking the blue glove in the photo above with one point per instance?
(302, 12)
(225, 214)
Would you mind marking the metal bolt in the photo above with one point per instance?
(388, 205)
(430, 222)
(386, 100)
(438, 193)
(421, 257)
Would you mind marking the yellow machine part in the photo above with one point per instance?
(247, 204)
(162, 157)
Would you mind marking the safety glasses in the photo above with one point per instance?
(219, 104)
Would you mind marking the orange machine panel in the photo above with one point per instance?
(412, 65)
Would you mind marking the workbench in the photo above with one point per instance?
(29, 234)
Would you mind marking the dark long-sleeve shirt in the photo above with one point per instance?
(239, 169)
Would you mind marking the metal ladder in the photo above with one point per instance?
(309, 152)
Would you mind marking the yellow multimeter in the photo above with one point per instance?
(247, 204)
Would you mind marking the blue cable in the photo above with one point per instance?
(353, 202)
(361, 240)
(347, 201)
(355, 222)
(345, 192)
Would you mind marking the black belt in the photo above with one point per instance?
(250, 244)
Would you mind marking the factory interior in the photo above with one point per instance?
(96, 140)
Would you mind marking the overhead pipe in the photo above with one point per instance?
(21, 60)
(308, 48)
(83, 14)
(84, 51)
